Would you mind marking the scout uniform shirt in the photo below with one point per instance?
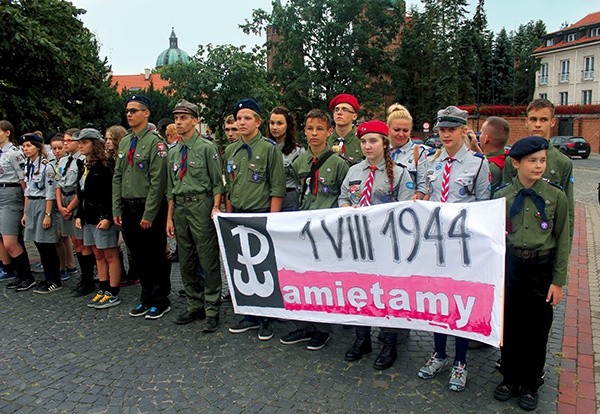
(528, 230)
(382, 191)
(559, 170)
(350, 148)
(324, 191)
(254, 173)
(412, 156)
(12, 164)
(495, 170)
(39, 177)
(66, 177)
(146, 178)
(288, 160)
(469, 176)
(202, 169)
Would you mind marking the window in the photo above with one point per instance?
(588, 68)
(571, 37)
(563, 76)
(595, 32)
(564, 98)
(543, 96)
(586, 97)
(544, 74)
(549, 42)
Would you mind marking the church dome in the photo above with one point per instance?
(173, 54)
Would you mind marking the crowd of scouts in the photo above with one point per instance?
(146, 187)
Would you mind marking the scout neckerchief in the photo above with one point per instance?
(537, 199)
(365, 199)
(131, 151)
(446, 179)
(312, 184)
(67, 165)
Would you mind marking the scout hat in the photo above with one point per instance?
(247, 103)
(372, 127)
(185, 107)
(144, 100)
(31, 138)
(451, 117)
(344, 98)
(87, 133)
(526, 146)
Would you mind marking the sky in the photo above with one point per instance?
(133, 33)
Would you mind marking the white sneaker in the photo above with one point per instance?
(434, 366)
(458, 377)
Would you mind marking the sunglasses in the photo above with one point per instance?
(133, 111)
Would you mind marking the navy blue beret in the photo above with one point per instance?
(144, 100)
(31, 137)
(526, 146)
(247, 103)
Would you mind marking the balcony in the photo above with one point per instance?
(563, 77)
(543, 80)
(587, 75)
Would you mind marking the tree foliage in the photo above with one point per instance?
(218, 77)
(326, 47)
(51, 76)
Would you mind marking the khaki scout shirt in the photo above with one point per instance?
(495, 171)
(146, 178)
(203, 174)
(352, 151)
(254, 176)
(527, 231)
(330, 177)
(559, 170)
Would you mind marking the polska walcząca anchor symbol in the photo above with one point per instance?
(252, 286)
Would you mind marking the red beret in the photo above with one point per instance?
(372, 127)
(344, 98)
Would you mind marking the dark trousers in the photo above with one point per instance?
(147, 249)
(527, 320)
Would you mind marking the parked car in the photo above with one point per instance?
(416, 140)
(572, 146)
(433, 141)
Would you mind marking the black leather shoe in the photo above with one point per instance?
(388, 354)
(83, 289)
(211, 324)
(505, 392)
(189, 317)
(528, 400)
(362, 346)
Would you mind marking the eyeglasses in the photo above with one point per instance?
(133, 111)
(230, 129)
(344, 110)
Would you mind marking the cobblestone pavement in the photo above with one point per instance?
(58, 356)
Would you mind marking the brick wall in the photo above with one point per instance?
(587, 126)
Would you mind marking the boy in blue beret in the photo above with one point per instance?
(537, 258)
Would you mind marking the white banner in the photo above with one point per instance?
(418, 265)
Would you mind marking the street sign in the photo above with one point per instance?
(426, 126)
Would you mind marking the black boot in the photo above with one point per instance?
(86, 285)
(388, 354)
(362, 344)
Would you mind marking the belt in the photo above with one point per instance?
(2, 185)
(190, 198)
(239, 210)
(134, 201)
(36, 197)
(69, 193)
(528, 254)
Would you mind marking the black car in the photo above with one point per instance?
(572, 146)
(433, 141)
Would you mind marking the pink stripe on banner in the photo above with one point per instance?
(443, 301)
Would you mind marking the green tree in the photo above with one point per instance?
(218, 77)
(325, 47)
(525, 40)
(503, 74)
(51, 76)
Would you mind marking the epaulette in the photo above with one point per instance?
(399, 164)
(431, 151)
(270, 141)
(478, 154)
(554, 184)
(501, 186)
(45, 161)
